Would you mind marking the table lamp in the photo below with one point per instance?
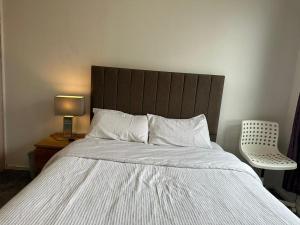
(68, 107)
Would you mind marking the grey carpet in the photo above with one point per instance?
(11, 182)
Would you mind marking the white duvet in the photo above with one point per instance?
(96, 181)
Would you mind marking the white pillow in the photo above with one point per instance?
(180, 132)
(111, 124)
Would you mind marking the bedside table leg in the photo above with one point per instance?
(32, 167)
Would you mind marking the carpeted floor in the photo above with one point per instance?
(11, 182)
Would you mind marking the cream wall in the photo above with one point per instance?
(50, 46)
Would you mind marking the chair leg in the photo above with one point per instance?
(262, 175)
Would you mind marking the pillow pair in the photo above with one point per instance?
(111, 124)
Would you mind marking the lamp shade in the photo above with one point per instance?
(69, 105)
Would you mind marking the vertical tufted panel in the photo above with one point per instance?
(163, 94)
(110, 88)
(137, 92)
(202, 95)
(124, 90)
(189, 96)
(176, 91)
(150, 91)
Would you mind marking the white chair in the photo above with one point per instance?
(258, 145)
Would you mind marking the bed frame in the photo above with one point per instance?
(168, 94)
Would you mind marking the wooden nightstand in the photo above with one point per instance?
(47, 147)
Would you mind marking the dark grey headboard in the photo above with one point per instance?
(168, 94)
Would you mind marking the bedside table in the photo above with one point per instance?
(47, 147)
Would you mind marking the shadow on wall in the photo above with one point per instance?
(231, 137)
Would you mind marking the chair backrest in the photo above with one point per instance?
(259, 133)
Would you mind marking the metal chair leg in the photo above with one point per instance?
(262, 175)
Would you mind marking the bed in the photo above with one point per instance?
(101, 181)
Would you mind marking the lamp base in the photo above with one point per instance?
(68, 126)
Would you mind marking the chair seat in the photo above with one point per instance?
(270, 161)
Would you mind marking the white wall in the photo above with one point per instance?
(275, 178)
(50, 46)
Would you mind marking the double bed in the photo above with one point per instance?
(101, 181)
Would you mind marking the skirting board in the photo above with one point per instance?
(16, 167)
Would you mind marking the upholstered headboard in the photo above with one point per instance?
(168, 94)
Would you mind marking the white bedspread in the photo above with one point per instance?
(96, 181)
